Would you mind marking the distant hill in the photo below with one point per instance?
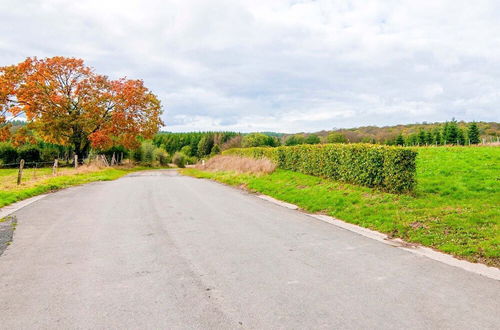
(488, 130)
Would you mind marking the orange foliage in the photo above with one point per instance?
(66, 102)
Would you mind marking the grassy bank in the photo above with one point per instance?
(36, 182)
(455, 207)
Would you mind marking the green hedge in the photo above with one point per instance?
(389, 168)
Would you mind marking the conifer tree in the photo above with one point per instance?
(474, 137)
(400, 141)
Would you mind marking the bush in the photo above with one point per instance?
(135, 154)
(48, 154)
(187, 150)
(389, 168)
(258, 140)
(29, 153)
(161, 156)
(8, 154)
(205, 146)
(147, 152)
(336, 138)
(295, 140)
(179, 159)
(215, 150)
(312, 139)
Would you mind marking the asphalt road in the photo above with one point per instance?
(158, 251)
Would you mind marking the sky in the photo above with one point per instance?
(277, 65)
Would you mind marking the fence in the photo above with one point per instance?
(23, 166)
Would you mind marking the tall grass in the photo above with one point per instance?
(239, 165)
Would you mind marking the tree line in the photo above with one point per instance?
(449, 134)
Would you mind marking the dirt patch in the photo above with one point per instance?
(7, 226)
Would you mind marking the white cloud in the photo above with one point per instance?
(278, 65)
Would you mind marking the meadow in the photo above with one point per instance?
(454, 208)
(39, 181)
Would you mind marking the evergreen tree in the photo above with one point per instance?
(438, 137)
(460, 137)
(474, 137)
(451, 132)
(421, 138)
(411, 140)
(429, 139)
(400, 141)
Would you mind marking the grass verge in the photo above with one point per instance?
(39, 182)
(455, 207)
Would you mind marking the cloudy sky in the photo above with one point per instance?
(276, 65)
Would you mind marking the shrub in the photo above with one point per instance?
(312, 139)
(179, 159)
(336, 138)
(147, 152)
(187, 150)
(161, 156)
(48, 154)
(215, 150)
(295, 140)
(258, 140)
(135, 154)
(8, 154)
(389, 168)
(29, 153)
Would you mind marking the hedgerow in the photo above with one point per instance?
(391, 169)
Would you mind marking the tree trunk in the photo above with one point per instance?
(81, 144)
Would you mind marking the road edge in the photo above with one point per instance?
(11, 208)
(477, 268)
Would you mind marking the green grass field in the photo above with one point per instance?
(36, 182)
(455, 207)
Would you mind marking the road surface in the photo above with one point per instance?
(155, 250)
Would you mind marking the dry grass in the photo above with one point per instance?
(238, 164)
(32, 177)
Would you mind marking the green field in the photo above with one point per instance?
(41, 181)
(455, 207)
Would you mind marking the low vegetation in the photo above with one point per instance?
(455, 207)
(389, 168)
(39, 181)
(238, 165)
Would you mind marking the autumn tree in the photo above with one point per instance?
(67, 103)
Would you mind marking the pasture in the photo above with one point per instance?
(41, 180)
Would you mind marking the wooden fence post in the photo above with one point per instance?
(20, 174)
(76, 162)
(54, 168)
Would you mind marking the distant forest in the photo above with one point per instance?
(489, 131)
(201, 144)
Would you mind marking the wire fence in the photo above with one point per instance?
(40, 164)
(30, 169)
